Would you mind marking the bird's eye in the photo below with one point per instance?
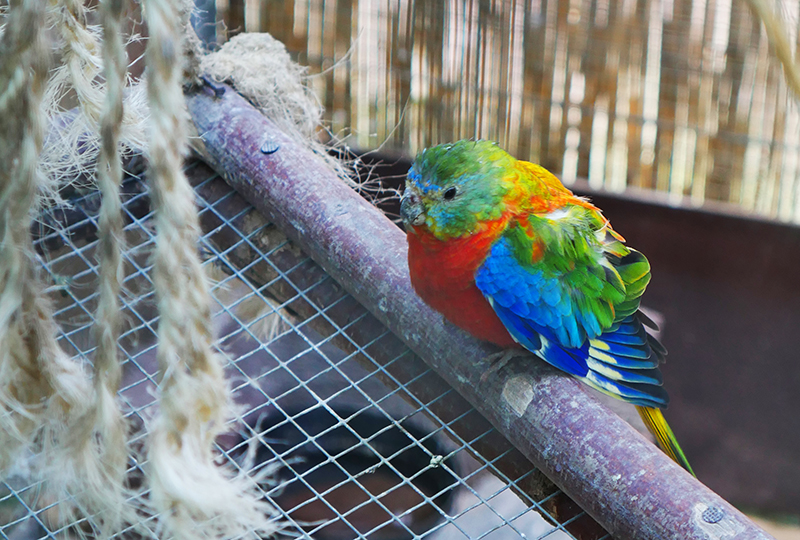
(449, 193)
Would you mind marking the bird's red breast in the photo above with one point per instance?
(443, 274)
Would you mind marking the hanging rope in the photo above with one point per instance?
(46, 396)
(23, 387)
(189, 490)
(50, 410)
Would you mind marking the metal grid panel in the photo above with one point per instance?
(363, 439)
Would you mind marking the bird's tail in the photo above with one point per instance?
(658, 426)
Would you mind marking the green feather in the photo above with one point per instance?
(634, 270)
(636, 289)
(476, 172)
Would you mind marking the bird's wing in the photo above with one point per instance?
(568, 289)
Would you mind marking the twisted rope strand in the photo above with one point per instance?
(22, 385)
(193, 495)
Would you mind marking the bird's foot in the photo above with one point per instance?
(498, 361)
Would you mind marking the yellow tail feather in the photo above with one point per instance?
(658, 426)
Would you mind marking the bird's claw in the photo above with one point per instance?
(498, 361)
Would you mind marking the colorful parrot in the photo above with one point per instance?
(503, 250)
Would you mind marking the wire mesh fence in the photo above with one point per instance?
(360, 437)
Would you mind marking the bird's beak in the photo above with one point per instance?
(411, 208)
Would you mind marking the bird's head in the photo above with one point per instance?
(453, 188)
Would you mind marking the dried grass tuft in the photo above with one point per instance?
(259, 67)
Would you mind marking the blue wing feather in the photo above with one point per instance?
(626, 327)
(644, 395)
(635, 340)
(519, 327)
(621, 360)
(642, 352)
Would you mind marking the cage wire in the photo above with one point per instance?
(361, 437)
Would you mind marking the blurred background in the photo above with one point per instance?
(678, 96)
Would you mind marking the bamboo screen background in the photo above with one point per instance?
(679, 96)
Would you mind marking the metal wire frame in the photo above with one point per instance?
(331, 361)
